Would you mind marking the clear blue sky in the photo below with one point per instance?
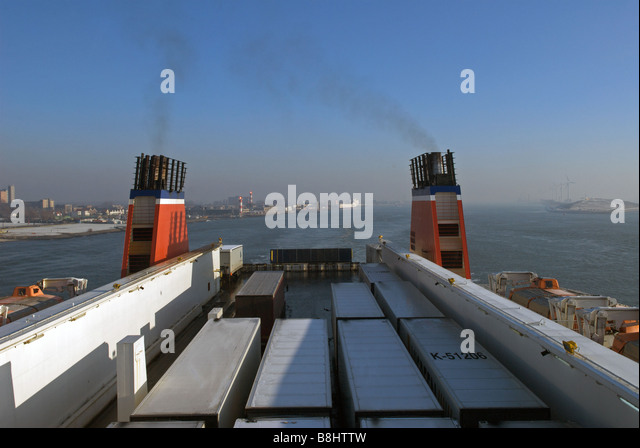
(333, 96)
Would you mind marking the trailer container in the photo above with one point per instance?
(352, 301)
(286, 423)
(371, 273)
(314, 255)
(294, 378)
(231, 259)
(469, 382)
(531, 424)
(377, 377)
(408, 422)
(262, 296)
(402, 300)
(211, 379)
(173, 424)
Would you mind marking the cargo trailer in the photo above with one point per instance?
(231, 259)
(471, 385)
(407, 422)
(377, 377)
(262, 296)
(402, 300)
(352, 301)
(211, 379)
(531, 424)
(172, 424)
(294, 378)
(313, 255)
(370, 273)
(292, 423)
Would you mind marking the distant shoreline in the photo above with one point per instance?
(596, 205)
(56, 231)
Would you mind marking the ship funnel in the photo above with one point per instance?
(437, 221)
(156, 220)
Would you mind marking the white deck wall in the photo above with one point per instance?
(61, 370)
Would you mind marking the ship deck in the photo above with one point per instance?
(535, 356)
(308, 295)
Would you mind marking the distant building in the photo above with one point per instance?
(4, 196)
(11, 193)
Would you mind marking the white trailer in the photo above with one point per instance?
(294, 378)
(402, 300)
(211, 379)
(470, 383)
(377, 376)
(231, 258)
(351, 301)
(369, 273)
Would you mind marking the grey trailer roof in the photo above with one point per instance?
(229, 247)
(262, 283)
(159, 424)
(353, 301)
(377, 375)
(474, 385)
(531, 424)
(408, 422)
(289, 423)
(295, 371)
(373, 267)
(370, 273)
(402, 300)
(211, 378)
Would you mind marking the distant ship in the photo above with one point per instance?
(354, 203)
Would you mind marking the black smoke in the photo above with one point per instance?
(296, 67)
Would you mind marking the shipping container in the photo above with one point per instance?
(315, 255)
(408, 422)
(285, 423)
(469, 382)
(352, 301)
(173, 424)
(294, 378)
(531, 424)
(211, 379)
(231, 259)
(262, 296)
(371, 273)
(402, 300)
(377, 377)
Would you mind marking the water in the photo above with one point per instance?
(583, 251)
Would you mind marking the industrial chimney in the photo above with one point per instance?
(156, 220)
(437, 221)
